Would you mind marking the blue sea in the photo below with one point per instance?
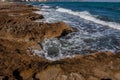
(98, 26)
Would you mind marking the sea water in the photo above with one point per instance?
(98, 27)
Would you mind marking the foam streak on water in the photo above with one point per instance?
(93, 35)
(86, 15)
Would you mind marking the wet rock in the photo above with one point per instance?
(53, 51)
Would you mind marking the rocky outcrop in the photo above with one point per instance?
(18, 32)
(17, 23)
(31, 31)
(97, 66)
(16, 64)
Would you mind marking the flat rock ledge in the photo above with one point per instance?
(18, 31)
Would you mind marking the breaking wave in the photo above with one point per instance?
(94, 34)
(86, 15)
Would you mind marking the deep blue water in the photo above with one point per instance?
(106, 11)
(98, 27)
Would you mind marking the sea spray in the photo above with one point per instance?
(94, 34)
(86, 15)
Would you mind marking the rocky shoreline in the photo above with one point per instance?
(19, 32)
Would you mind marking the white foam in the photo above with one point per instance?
(73, 43)
(44, 54)
(86, 15)
(53, 44)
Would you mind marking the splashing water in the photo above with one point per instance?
(93, 35)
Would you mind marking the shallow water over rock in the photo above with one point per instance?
(92, 36)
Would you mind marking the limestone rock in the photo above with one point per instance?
(27, 74)
(75, 76)
(49, 73)
(92, 78)
(62, 77)
(117, 76)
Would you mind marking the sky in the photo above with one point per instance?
(104, 0)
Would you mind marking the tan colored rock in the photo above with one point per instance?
(18, 33)
(57, 30)
(1, 77)
(101, 74)
(27, 74)
(30, 31)
(49, 73)
(61, 77)
(75, 76)
(70, 76)
(117, 76)
(92, 78)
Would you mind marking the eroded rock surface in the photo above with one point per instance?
(18, 32)
(17, 23)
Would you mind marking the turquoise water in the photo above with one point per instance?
(98, 27)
